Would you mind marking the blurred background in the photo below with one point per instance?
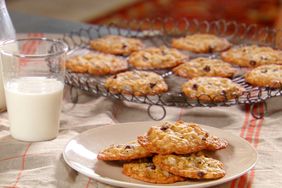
(261, 12)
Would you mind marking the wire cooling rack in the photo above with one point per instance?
(160, 32)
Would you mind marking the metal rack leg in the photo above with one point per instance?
(259, 115)
(74, 99)
(150, 113)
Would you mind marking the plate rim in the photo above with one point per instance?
(113, 182)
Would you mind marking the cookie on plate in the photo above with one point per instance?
(117, 45)
(252, 56)
(195, 165)
(201, 43)
(204, 67)
(265, 76)
(179, 137)
(156, 58)
(97, 64)
(148, 172)
(138, 83)
(215, 143)
(212, 89)
(132, 150)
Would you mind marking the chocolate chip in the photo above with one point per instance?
(204, 138)
(115, 76)
(128, 147)
(164, 127)
(264, 71)
(201, 174)
(210, 49)
(124, 46)
(223, 92)
(195, 86)
(207, 68)
(252, 63)
(152, 85)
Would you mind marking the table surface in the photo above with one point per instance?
(41, 164)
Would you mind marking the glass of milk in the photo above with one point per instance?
(33, 76)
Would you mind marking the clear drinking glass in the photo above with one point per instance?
(33, 73)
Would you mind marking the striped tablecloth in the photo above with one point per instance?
(41, 164)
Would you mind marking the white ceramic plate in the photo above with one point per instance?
(81, 154)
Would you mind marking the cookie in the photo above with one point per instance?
(78, 64)
(179, 137)
(148, 172)
(195, 165)
(138, 83)
(132, 150)
(201, 43)
(252, 56)
(212, 89)
(204, 67)
(265, 76)
(96, 64)
(117, 45)
(156, 58)
(214, 143)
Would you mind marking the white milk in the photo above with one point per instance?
(34, 106)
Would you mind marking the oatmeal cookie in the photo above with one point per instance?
(179, 137)
(138, 83)
(212, 89)
(97, 64)
(117, 45)
(78, 64)
(148, 172)
(201, 43)
(252, 56)
(204, 67)
(156, 58)
(214, 143)
(195, 165)
(266, 76)
(132, 150)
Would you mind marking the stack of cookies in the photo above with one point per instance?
(132, 66)
(169, 153)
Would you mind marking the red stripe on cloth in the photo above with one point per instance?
(88, 183)
(180, 113)
(244, 179)
(22, 166)
(256, 142)
(243, 129)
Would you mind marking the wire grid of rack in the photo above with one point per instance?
(160, 32)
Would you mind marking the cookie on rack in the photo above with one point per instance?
(78, 64)
(201, 43)
(179, 137)
(212, 89)
(132, 150)
(265, 76)
(117, 45)
(138, 83)
(146, 171)
(204, 67)
(97, 64)
(156, 58)
(194, 166)
(252, 56)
